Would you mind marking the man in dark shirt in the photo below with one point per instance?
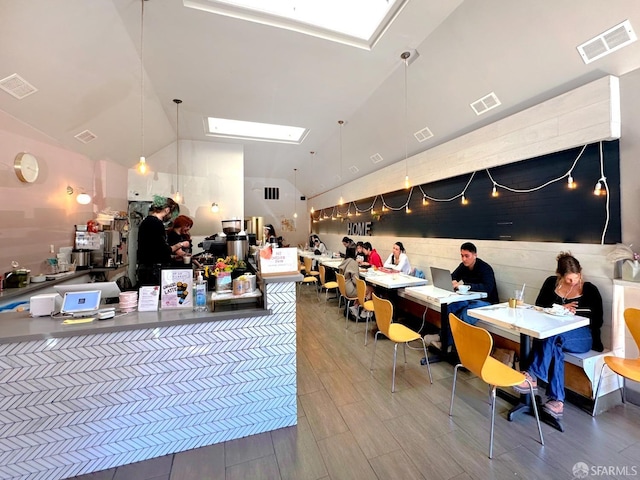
(479, 275)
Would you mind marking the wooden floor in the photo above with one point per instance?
(350, 425)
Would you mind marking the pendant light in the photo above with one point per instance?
(142, 167)
(341, 201)
(405, 58)
(177, 197)
(295, 192)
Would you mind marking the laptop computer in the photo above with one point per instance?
(441, 278)
(81, 304)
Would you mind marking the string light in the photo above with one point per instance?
(601, 188)
(570, 183)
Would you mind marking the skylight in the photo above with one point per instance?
(264, 132)
(359, 23)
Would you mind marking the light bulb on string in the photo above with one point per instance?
(599, 190)
(142, 166)
(407, 209)
(570, 183)
(464, 200)
(425, 202)
(494, 192)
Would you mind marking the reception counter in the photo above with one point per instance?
(87, 397)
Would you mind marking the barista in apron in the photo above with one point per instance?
(154, 253)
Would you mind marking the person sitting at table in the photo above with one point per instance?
(476, 273)
(319, 248)
(349, 268)
(346, 241)
(546, 362)
(372, 257)
(398, 259)
(360, 256)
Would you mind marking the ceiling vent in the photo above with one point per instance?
(271, 193)
(17, 86)
(486, 103)
(353, 169)
(613, 39)
(424, 134)
(376, 158)
(86, 136)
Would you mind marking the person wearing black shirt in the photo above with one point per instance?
(154, 252)
(177, 234)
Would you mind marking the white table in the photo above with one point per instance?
(529, 322)
(438, 300)
(392, 281)
(331, 262)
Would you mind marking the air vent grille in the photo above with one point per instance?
(486, 103)
(17, 86)
(271, 193)
(424, 134)
(613, 39)
(354, 169)
(376, 158)
(86, 136)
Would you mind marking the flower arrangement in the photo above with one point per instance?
(622, 252)
(228, 264)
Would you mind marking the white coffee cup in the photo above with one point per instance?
(464, 288)
(186, 259)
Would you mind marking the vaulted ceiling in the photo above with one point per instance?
(84, 59)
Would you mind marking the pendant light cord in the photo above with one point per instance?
(142, 78)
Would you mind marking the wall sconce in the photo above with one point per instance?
(83, 198)
(215, 208)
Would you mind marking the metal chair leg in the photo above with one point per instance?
(453, 388)
(595, 402)
(493, 417)
(393, 375)
(424, 347)
(535, 410)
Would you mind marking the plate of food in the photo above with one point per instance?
(557, 311)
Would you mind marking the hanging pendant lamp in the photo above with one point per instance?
(177, 197)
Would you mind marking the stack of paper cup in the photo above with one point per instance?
(128, 301)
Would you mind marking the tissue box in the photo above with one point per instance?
(44, 304)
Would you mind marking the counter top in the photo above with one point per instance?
(32, 288)
(20, 327)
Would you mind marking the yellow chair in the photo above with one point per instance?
(361, 285)
(625, 367)
(342, 288)
(326, 285)
(395, 332)
(474, 345)
(308, 267)
(309, 279)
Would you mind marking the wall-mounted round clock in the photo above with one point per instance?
(26, 167)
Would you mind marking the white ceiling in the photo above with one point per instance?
(83, 56)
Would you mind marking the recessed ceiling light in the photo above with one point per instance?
(264, 132)
(359, 23)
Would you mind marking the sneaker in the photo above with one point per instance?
(523, 388)
(354, 310)
(364, 314)
(555, 408)
(429, 339)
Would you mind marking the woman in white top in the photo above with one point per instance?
(398, 260)
(318, 245)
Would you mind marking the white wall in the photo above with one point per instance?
(278, 212)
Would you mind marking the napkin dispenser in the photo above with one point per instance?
(44, 304)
